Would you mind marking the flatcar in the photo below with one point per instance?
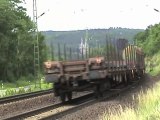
(98, 73)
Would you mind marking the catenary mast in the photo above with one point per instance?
(36, 44)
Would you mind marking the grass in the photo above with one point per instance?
(18, 83)
(23, 86)
(153, 64)
(148, 108)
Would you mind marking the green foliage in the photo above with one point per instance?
(95, 36)
(21, 90)
(153, 64)
(17, 41)
(24, 89)
(101, 50)
(96, 39)
(149, 40)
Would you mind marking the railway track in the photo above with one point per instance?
(24, 96)
(46, 108)
(56, 111)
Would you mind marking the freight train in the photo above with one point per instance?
(119, 64)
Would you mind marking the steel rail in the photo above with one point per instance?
(85, 101)
(24, 96)
(109, 94)
(47, 108)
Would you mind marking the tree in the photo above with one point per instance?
(17, 41)
(149, 40)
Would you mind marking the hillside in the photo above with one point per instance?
(95, 36)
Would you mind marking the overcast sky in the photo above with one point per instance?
(86, 14)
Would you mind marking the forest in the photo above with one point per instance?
(17, 40)
(94, 35)
(149, 39)
(95, 39)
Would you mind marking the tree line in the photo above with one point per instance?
(149, 39)
(17, 38)
(96, 36)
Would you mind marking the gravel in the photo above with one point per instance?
(93, 112)
(96, 111)
(18, 107)
(9, 109)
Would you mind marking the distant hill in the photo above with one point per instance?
(95, 36)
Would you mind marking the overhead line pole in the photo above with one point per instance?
(36, 46)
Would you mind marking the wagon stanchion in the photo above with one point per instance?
(82, 54)
(98, 52)
(70, 53)
(130, 54)
(134, 57)
(110, 54)
(52, 51)
(111, 49)
(132, 48)
(64, 49)
(118, 61)
(116, 55)
(130, 64)
(119, 55)
(59, 52)
(77, 54)
(89, 52)
(126, 63)
(122, 61)
(133, 60)
(126, 56)
(105, 48)
(123, 55)
(86, 52)
(107, 54)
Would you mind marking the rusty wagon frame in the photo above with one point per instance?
(100, 72)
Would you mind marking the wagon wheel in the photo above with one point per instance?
(107, 84)
(98, 91)
(69, 96)
(125, 79)
(63, 97)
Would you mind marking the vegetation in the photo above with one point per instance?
(95, 36)
(21, 87)
(148, 107)
(153, 64)
(17, 42)
(149, 40)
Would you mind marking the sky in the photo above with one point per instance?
(64, 15)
